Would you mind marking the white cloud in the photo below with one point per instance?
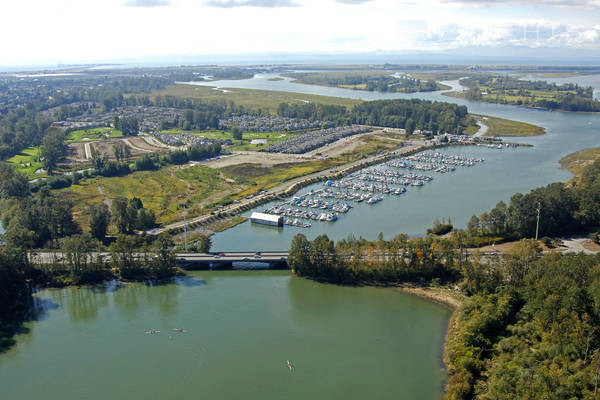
(148, 3)
(251, 3)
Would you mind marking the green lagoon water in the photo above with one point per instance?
(242, 327)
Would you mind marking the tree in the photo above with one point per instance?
(203, 244)
(12, 183)
(298, 257)
(53, 148)
(78, 252)
(121, 215)
(99, 220)
(163, 262)
(123, 257)
(121, 151)
(237, 133)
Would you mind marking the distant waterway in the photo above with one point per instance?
(458, 195)
(241, 328)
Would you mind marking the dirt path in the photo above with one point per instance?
(106, 200)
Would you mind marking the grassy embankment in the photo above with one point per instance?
(576, 162)
(506, 127)
(250, 98)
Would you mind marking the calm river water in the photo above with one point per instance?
(457, 196)
(242, 327)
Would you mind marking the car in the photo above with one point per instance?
(216, 256)
(222, 254)
(258, 253)
(257, 256)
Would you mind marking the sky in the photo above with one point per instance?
(93, 31)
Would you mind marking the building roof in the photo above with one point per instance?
(265, 217)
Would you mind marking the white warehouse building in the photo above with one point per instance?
(266, 219)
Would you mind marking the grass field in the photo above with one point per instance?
(85, 135)
(27, 162)
(505, 127)
(250, 98)
(575, 162)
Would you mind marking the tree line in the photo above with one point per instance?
(414, 114)
(564, 209)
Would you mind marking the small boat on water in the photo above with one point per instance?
(152, 332)
(180, 330)
(290, 365)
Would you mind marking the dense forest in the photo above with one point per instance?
(541, 94)
(414, 114)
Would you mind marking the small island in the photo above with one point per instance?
(506, 89)
(380, 81)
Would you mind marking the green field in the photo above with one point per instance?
(250, 98)
(86, 135)
(27, 162)
(505, 127)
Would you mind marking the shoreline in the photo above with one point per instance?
(446, 298)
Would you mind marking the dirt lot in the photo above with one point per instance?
(265, 159)
(137, 146)
(268, 159)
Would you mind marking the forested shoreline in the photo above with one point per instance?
(527, 327)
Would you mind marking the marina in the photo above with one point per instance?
(371, 186)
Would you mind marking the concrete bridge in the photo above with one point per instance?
(235, 260)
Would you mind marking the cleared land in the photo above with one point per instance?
(506, 127)
(250, 98)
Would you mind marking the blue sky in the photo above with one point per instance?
(74, 31)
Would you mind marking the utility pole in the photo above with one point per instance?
(185, 227)
(537, 226)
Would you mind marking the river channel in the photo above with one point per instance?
(456, 196)
(241, 329)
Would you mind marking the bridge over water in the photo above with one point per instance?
(236, 260)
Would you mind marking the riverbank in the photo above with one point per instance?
(576, 162)
(508, 128)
